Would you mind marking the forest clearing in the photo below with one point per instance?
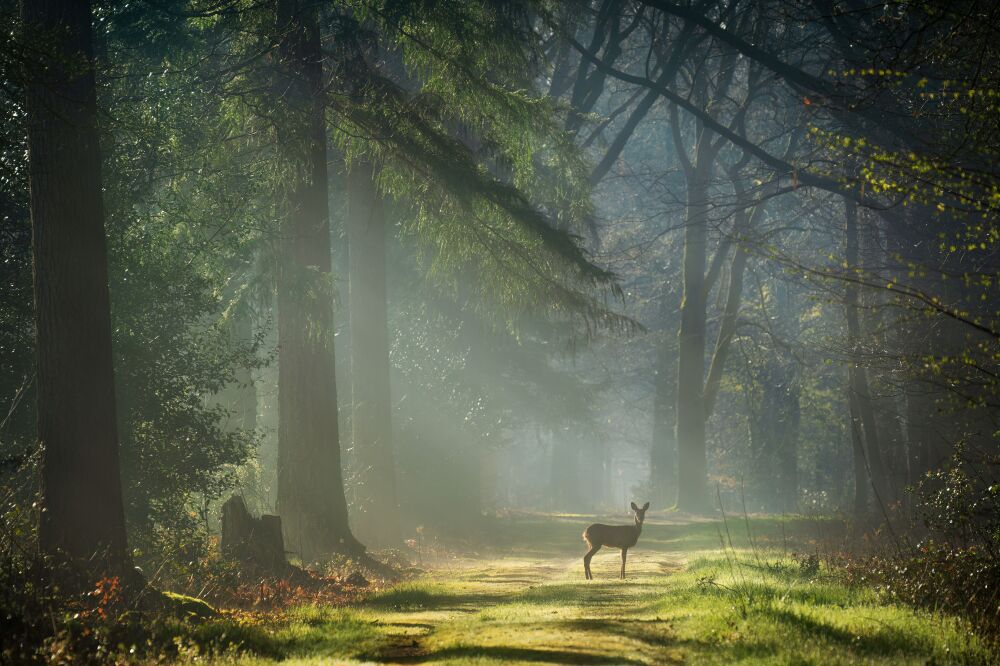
(521, 599)
(493, 331)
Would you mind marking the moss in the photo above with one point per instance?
(184, 606)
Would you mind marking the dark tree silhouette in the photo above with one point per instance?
(82, 512)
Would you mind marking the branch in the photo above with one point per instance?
(793, 75)
(776, 163)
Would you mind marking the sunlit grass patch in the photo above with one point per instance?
(737, 608)
(686, 600)
(432, 595)
(325, 630)
(307, 631)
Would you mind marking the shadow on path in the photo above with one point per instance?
(503, 654)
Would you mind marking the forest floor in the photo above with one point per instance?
(686, 599)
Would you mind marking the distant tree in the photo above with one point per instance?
(371, 401)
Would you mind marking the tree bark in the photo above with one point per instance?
(252, 540)
(83, 513)
(311, 497)
(692, 416)
(371, 404)
(727, 329)
(692, 462)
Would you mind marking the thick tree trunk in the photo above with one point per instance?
(311, 497)
(371, 418)
(83, 512)
(692, 463)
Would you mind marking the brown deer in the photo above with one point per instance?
(616, 536)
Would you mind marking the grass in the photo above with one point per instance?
(686, 600)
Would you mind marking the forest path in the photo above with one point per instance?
(531, 605)
(685, 600)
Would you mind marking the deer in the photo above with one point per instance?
(616, 536)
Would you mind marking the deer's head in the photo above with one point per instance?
(640, 514)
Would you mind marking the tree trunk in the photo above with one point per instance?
(789, 327)
(890, 428)
(371, 418)
(83, 512)
(775, 434)
(860, 468)
(311, 497)
(663, 450)
(692, 463)
(727, 329)
(858, 376)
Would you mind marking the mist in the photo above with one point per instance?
(514, 332)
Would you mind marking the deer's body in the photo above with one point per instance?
(615, 536)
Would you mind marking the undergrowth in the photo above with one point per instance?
(954, 567)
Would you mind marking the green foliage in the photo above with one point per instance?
(496, 191)
(16, 313)
(176, 210)
(172, 253)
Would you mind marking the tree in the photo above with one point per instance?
(371, 406)
(82, 510)
(311, 497)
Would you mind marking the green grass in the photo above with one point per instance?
(686, 600)
(313, 633)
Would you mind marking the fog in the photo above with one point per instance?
(303, 303)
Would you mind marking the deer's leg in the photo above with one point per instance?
(587, 558)
(624, 555)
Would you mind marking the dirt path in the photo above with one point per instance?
(537, 609)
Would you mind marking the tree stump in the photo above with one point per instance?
(252, 540)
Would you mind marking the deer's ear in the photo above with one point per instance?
(645, 506)
(634, 507)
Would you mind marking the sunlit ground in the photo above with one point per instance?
(686, 600)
